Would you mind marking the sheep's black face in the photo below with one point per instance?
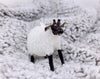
(57, 30)
(56, 27)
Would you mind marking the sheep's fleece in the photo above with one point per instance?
(41, 42)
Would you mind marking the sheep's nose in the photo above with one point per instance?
(61, 31)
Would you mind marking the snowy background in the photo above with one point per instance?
(81, 40)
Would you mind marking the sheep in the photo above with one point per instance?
(43, 41)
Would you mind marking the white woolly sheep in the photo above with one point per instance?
(43, 41)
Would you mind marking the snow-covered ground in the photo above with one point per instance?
(81, 40)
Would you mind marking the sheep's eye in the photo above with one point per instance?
(55, 24)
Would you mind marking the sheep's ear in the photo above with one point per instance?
(47, 28)
(63, 25)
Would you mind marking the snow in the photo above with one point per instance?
(16, 3)
(81, 40)
(90, 3)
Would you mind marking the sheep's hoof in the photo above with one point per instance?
(52, 69)
(63, 63)
(32, 59)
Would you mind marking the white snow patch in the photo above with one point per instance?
(90, 3)
(16, 3)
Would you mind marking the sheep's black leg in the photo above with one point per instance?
(32, 58)
(51, 62)
(61, 56)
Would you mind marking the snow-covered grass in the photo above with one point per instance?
(16, 3)
(81, 40)
(16, 69)
(89, 3)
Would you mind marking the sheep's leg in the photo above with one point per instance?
(32, 59)
(51, 62)
(61, 56)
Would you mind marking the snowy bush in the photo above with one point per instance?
(12, 34)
